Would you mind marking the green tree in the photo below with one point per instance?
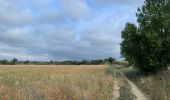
(148, 46)
(27, 62)
(14, 61)
(110, 59)
(84, 62)
(51, 62)
(130, 42)
(4, 62)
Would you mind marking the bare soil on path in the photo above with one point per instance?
(139, 95)
(116, 88)
(136, 91)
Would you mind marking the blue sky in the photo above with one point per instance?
(63, 29)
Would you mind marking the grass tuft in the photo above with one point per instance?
(125, 92)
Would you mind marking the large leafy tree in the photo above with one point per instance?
(148, 46)
(129, 35)
(14, 61)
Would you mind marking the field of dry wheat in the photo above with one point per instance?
(55, 82)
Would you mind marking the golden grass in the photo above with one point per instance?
(156, 86)
(55, 82)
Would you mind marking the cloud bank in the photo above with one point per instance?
(63, 29)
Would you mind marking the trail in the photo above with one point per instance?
(134, 89)
(116, 88)
(138, 93)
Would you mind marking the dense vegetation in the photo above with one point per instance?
(85, 62)
(147, 46)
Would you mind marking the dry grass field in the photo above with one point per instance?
(55, 82)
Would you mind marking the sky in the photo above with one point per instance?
(46, 30)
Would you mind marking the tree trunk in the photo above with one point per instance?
(163, 64)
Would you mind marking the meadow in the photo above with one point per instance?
(55, 82)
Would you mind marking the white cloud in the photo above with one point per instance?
(59, 30)
(117, 2)
(76, 9)
(11, 14)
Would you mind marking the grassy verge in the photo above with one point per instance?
(125, 88)
(125, 92)
(111, 69)
(157, 87)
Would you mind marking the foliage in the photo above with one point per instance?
(82, 62)
(14, 61)
(110, 60)
(130, 43)
(4, 62)
(148, 45)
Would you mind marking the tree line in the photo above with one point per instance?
(15, 61)
(147, 45)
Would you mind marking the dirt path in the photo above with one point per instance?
(134, 89)
(116, 88)
(139, 94)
